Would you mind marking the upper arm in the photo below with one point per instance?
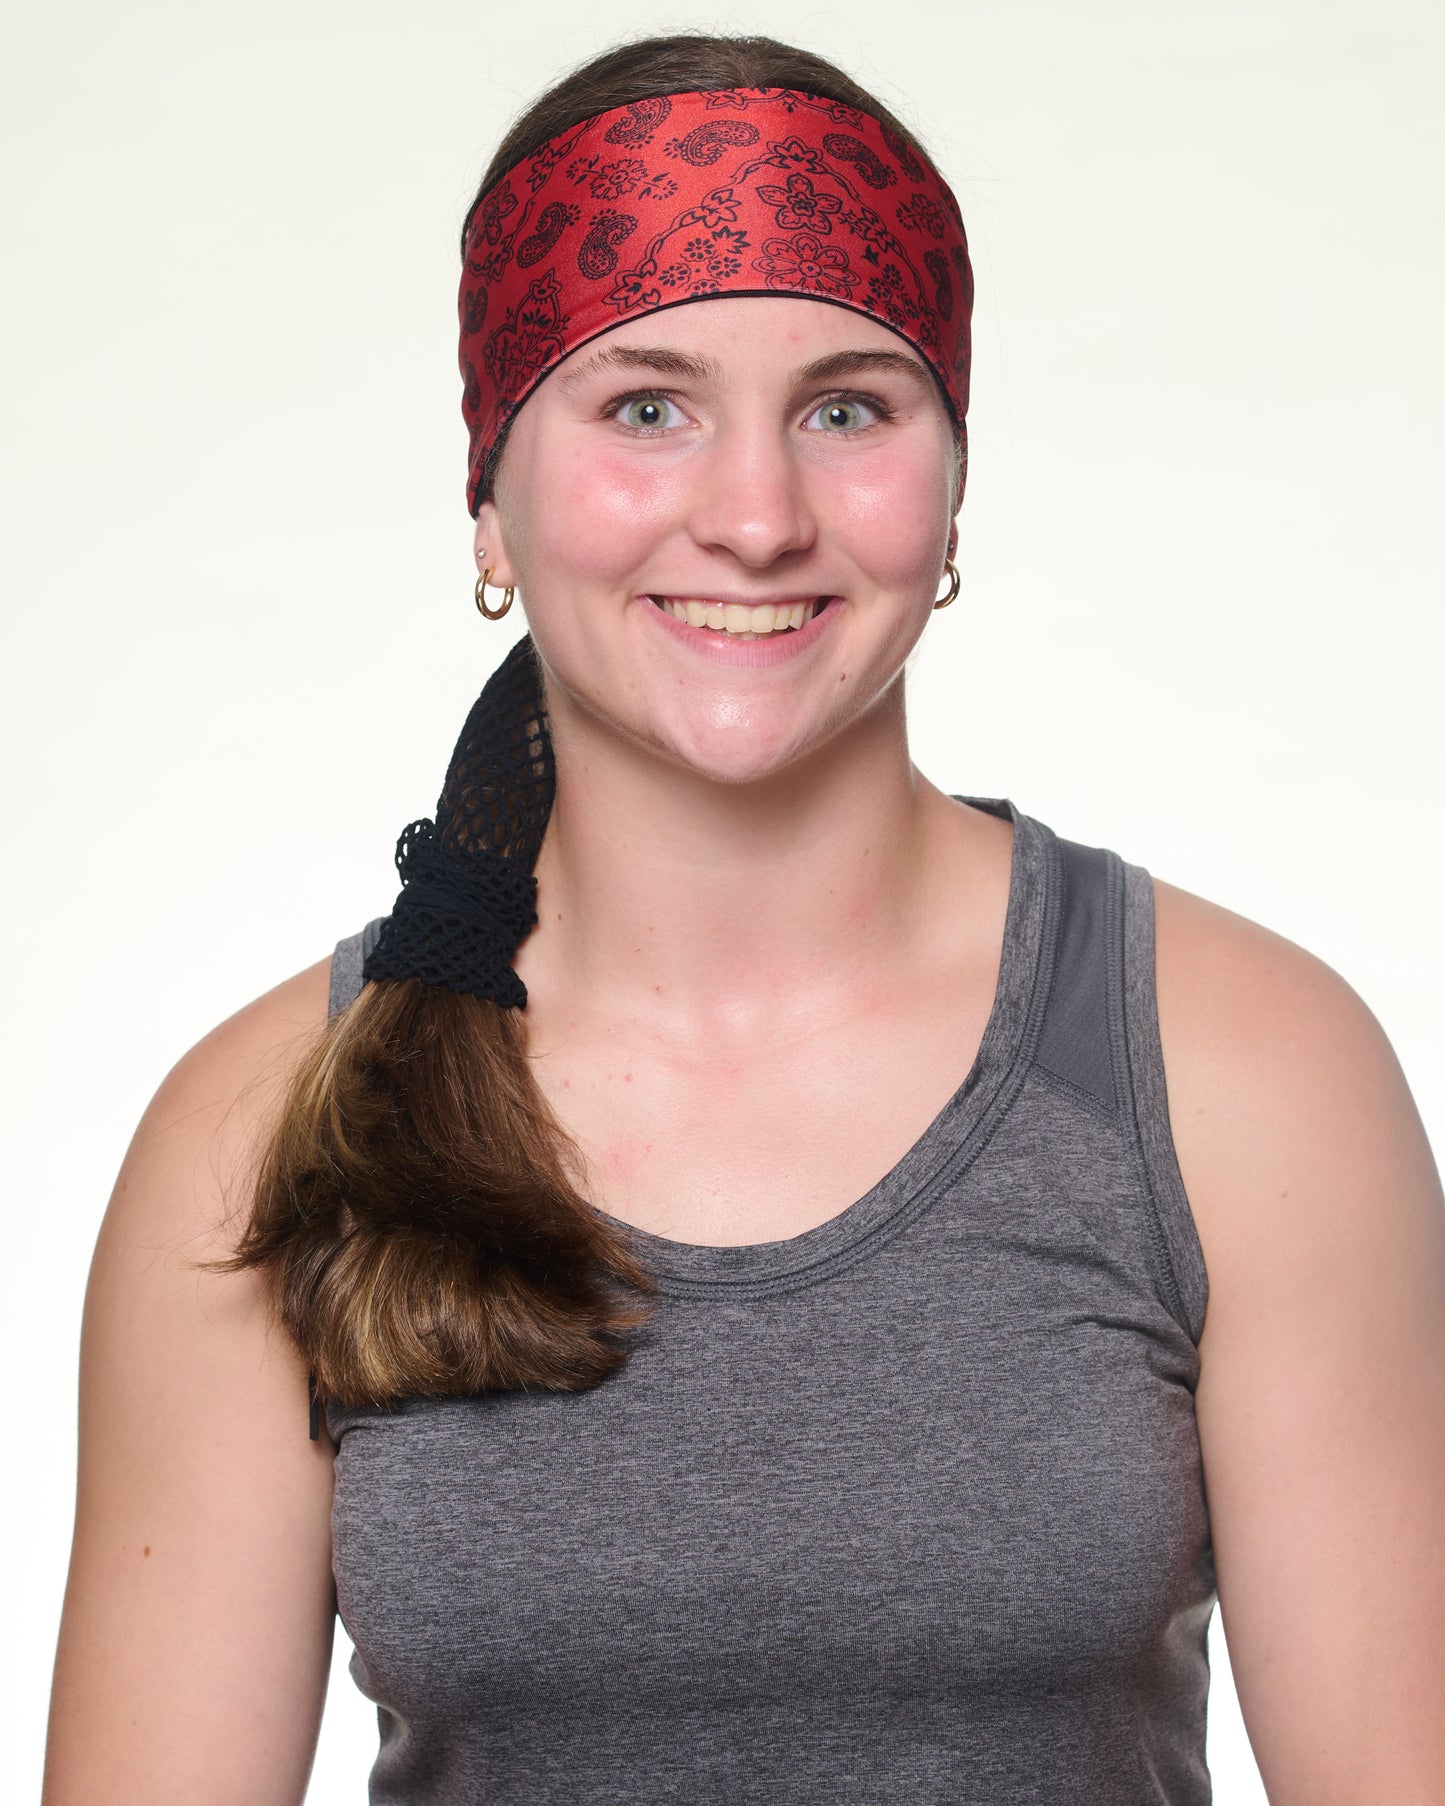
(1321, 1399)
(196, 1633)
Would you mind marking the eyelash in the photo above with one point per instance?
(880, 408)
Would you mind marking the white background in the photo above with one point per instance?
(1200, 620)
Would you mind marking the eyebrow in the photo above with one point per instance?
(670, 362)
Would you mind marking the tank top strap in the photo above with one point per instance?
(1098, 1038)
(346, 963)
(1137, 1010)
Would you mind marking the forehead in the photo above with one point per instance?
(725, 340)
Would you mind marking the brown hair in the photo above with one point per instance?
(416, 1208)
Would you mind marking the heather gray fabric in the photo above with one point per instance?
(908, 1508)
(347, 961)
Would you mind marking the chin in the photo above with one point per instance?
(733, 755)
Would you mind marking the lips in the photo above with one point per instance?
(744, 647)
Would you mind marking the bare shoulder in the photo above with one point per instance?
(154, 1302)
(1216, 965)
(1297, 1135)
(1321, 1396)
(199, 1602)
(154, 1305)
(1276, 1069)
(213, 1107)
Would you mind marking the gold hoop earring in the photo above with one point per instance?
(954, 583)
(493, 614)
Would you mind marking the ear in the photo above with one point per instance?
(490, 548)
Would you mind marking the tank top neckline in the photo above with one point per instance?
(941, 1152)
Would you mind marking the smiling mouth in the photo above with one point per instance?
(757, 621)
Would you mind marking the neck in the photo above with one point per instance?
(658, 887)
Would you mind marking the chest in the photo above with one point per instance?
(923, 1513)
(756, 1131)
(969, 1476)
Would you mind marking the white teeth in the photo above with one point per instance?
(743, 621)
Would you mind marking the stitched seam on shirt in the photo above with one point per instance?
(1077, 1095)
(954, 1165)
(871, 1241)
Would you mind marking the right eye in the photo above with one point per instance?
(645, 413)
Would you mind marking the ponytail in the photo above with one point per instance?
(416, 1212)
(415, 1215)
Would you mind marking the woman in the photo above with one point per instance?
(765, 1329)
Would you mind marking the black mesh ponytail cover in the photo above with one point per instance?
(468, 897)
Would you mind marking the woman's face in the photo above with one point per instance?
(728, 460)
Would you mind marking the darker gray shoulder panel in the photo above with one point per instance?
(1074, 1040)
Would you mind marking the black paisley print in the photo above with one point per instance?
(639, 122)
(875, 173)
(552, 222)
(750, 191)
(597, 254)
(705, 144)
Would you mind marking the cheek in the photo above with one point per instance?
(593, 518)
(894, 516)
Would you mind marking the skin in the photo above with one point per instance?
(771, 818)
(767, 954)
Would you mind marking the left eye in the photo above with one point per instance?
(843, 415)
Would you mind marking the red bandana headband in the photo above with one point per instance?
(743, 191)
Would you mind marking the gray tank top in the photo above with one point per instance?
(906, 1508)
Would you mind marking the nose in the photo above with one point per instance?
(750, 496)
